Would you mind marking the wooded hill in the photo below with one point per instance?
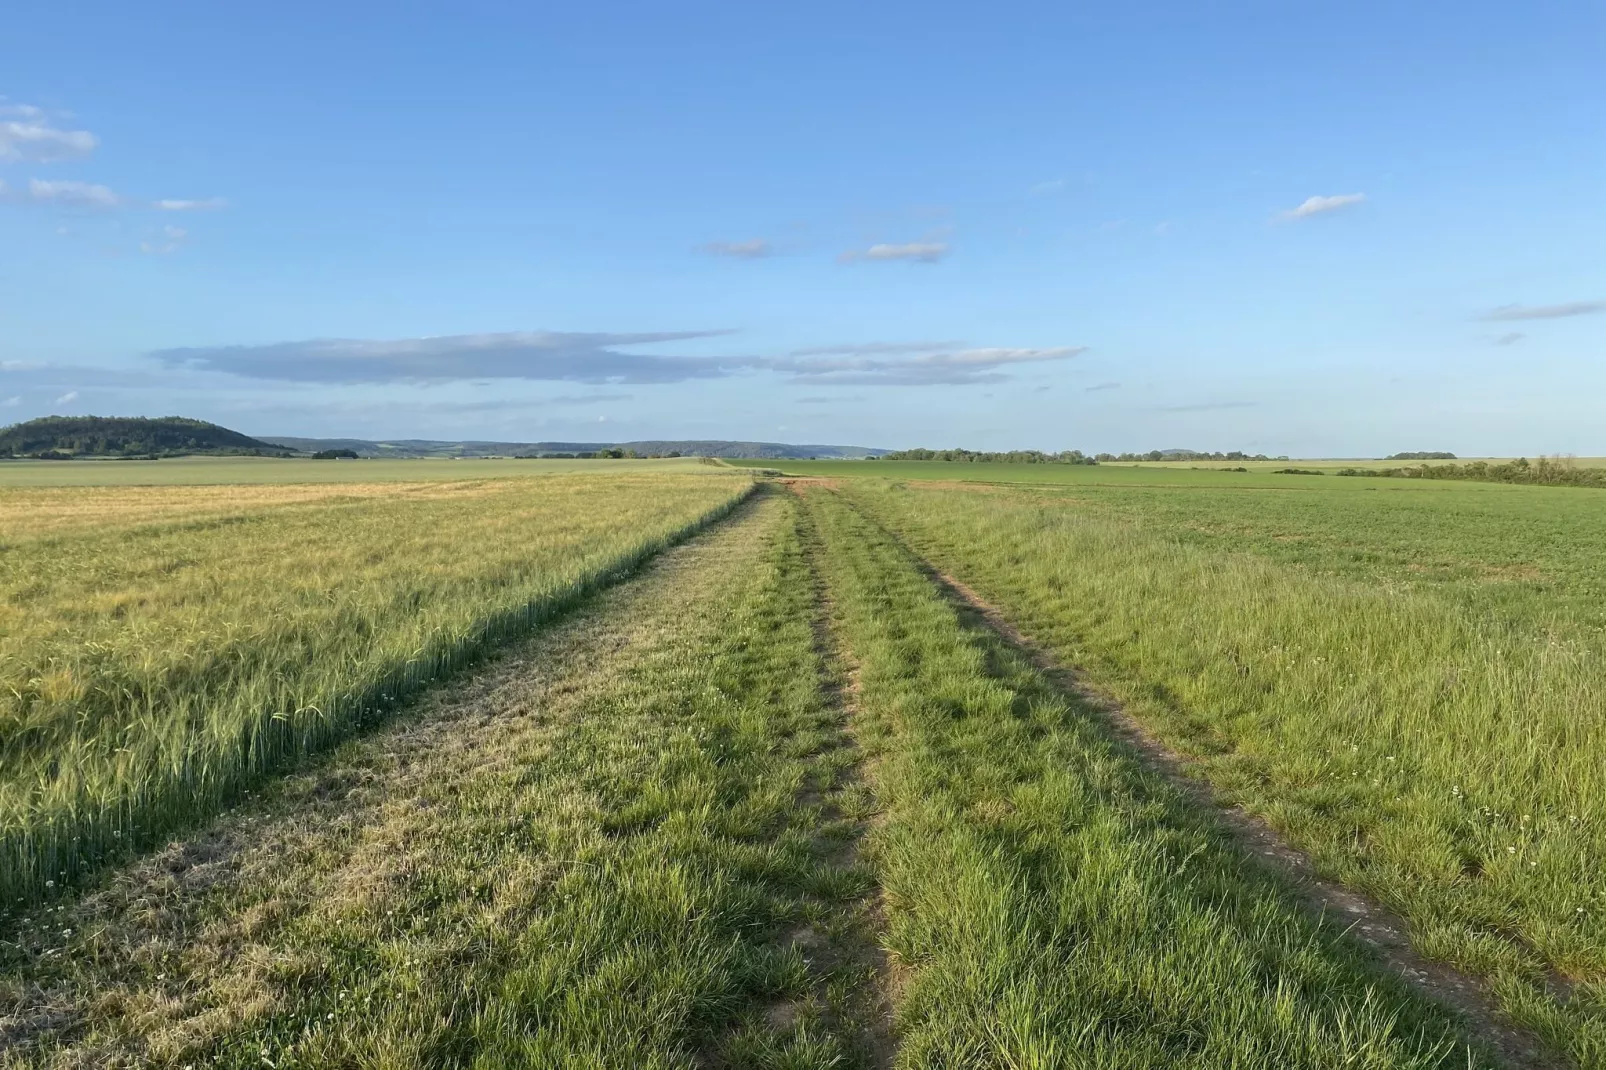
(63, 437)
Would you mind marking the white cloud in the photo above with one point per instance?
(1546, 312)
(1313, 206)
(924, 252)
(29, 134)
(752, 249)
(65, 194)
(11, 402)
(206, 205)
(67, 399)
(1054, 185)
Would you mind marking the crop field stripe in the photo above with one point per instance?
(1433, 756)
(1052, 902)
(67, 809)
(627, 844)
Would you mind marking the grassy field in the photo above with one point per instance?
(783, 800)
(159, 647)
(774, 805)
(1052, 902)
(224, 470)
(1405, 683)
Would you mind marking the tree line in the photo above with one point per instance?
(1546, 471)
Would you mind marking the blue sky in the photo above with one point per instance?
(1339, 230)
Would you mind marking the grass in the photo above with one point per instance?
(1428, 736)
(178, 471)
(1052, 902)
(1530, 558)
(624, 846)
(160, 648)
(669, 832)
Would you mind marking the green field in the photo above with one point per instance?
(779, 797)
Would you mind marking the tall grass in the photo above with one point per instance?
(597, 854)
(1052, 901)
(1453, 766)
(150, 670)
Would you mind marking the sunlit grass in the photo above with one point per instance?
(592, 854)
(1443, 756)
(154, 660)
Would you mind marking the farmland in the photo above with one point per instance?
(159, 646)
(628, 765)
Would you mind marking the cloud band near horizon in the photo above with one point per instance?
(599, 358)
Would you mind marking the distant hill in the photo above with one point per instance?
(124, 436)
(417, 447)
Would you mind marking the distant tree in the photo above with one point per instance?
(985, 457)
(335, 455)
(1546, 471)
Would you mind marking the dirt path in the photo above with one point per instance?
(1369, 921)
(849, 800)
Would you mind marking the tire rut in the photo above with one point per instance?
(850, 798)
(1366, 920)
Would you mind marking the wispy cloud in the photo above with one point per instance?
(534, 355)
(1101, 386)
(68, 398)
(30, 134)
(752, 249)
(956, 367)
(875, 349)
(1209, 406)
(207, 204)
(11, 402)
(63, 194)
(922, 252)
(1546, 312)
(34, 135)
(584, 399)
(1510, 338)
(1053, 185)
(1314, 206)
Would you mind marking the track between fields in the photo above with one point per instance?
(850, 798)
(790, 798)
(1368, 921)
